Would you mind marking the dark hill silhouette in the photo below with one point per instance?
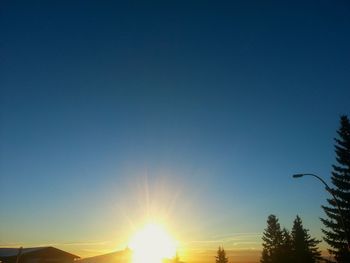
(123, 256)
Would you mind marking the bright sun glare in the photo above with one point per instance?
(152, 244)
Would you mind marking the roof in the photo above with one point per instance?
(11, 252)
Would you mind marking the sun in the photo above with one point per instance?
(152, 244)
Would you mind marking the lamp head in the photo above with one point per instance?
(298, 175)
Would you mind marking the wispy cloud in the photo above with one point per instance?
(242, 240)
(238, 234)
(91, 243)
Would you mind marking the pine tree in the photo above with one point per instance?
(304, 247)
(221, 256)
(336, 228)
(286, 247)
(265, 257)
(272, 241)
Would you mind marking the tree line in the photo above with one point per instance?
(284, 246)
(297, 246)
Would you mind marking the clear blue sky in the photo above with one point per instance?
(208, 107)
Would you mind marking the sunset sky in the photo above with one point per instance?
(193, 114)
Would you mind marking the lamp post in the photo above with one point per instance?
(329, 190)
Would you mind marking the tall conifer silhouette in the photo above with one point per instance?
(337, 228)
(272, 241)
(304, 247)
(221, 256)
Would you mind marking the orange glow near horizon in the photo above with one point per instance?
(152, 244)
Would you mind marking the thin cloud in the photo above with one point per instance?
(228, 238)
(239, 234)
(92, 243)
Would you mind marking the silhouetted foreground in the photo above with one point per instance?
(54, 255)
(123, 256)
(36, 255)
(337, 223)
(282, 246)
(221, 256)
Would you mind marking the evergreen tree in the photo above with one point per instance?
(265, 258)
(304, 247)
(337, 229)
(286, 247)
(272, 241)
(221, 256)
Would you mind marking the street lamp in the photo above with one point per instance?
(329, 190)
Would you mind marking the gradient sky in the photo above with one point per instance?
(193, 113)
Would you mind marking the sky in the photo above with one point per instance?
(193, 114)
